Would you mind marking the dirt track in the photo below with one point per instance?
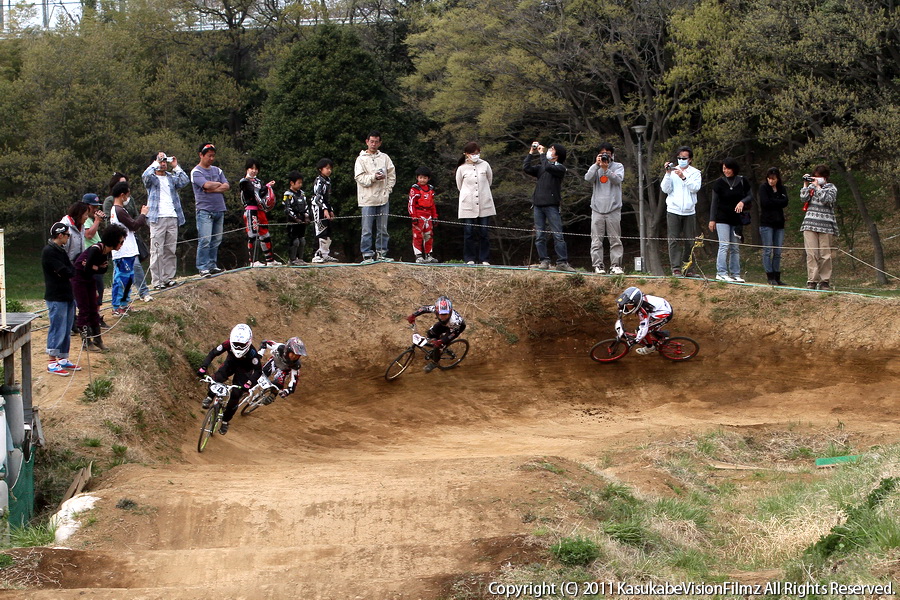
(363, 489)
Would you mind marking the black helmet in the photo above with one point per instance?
(630, 300)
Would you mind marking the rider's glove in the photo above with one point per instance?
(201, 372)
(411, 319)
(438, 344)
(284, 393)
(247, 385)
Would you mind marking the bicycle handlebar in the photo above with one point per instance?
(208, 379)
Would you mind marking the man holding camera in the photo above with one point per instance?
(375, 177)
(546, 200)
(681, 184)
(165, 216)
(606, 177)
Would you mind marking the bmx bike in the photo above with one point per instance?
(451, 355)
(672, 348)
(263, 393)
(213, 419)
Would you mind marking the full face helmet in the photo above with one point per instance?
(630, 300)
(241, 338)
(296, 346)
(443, 306)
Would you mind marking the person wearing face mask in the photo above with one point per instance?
(476, 204)
(546, 200)
(125, 256)
(681, 184)
(606, 177)
(140, 278)
(819, 227)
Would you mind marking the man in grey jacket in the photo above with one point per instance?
(606, 176)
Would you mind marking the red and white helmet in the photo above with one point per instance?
(296, 346)
(443, 306)
(241, 339)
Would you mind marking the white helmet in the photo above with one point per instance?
(241, 338)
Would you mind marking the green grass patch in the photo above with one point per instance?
(91, 443)
(575, 551)
(138, 328)
(194, 357)
(41, 534)
(6, 560)
(98, 389)
(509, 336)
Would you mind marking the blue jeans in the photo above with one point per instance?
(62, 317)
(547, 217)
(209, 230)
(376, 216)
(728, 260)
(476, 244)
(772, 241)
(123, 276)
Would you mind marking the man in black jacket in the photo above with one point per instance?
(546, 199)
(58, 270)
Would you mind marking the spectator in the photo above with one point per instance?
(140, 278)
(423, 213)
(256, 202)
(772, 202)
(731, 196)
(75, 219)
(296, 210)
(125, 256)
(321, 211)
(89, 224)
(165, 216)
(681, 184)
(546, 201)
(375, 178)
(476, 204)
(606, 177)
(91, 262)
(819, 227)
(58, 272)
(209, 185)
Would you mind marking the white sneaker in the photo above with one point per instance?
(645, 350)
(737, 279)
(274, 263)
(431, 260)
(599, 270)
(617, 270)
(471, 262)
(724, 278)
(486, 264)
(421, 259)
(257, 264)
(318, 259)
(147, 298)
(330, 258)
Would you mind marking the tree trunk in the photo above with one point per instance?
(880, 276)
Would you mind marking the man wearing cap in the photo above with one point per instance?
(165, 216)
(209, 185)
(58, 272)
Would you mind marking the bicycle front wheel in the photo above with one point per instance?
(453, 354)
(208, 427)
(399, 364)
(255, 402)
(609, 350)
(679, 348)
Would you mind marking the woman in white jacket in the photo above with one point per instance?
(476, 204)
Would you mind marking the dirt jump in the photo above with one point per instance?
(355, 487)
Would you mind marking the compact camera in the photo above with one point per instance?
(809, 178)
(669, 166)
(535, 145)
(170, 158)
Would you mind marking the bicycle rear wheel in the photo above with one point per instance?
(453, 354)
(208, 427)
(609, 350)
(399, 364)
(679, 348)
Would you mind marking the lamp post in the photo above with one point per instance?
(640, 130)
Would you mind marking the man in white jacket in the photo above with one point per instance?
(375, 177)
(681, 182)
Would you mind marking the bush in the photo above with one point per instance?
(575, 551)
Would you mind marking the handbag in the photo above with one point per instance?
(143, 250)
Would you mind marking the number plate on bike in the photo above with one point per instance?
(218, 389)
(419, 340)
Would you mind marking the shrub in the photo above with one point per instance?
(575, 551)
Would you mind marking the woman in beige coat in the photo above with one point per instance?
(476, 204)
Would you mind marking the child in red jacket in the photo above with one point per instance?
(423, 212)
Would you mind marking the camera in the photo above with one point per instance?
(809, 178)
(169, 158)
(669, 166)
(605, 157)
(535, 145)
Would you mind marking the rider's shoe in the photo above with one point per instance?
(645, 350)
(223, 427)
(268, 400)
(207, 402)
(430, 367)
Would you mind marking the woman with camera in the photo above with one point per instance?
(819, 227)
(772, 202)
(731, 196)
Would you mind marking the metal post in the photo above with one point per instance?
(2, 280)
(639, 130)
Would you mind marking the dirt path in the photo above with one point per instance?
(364, 489)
